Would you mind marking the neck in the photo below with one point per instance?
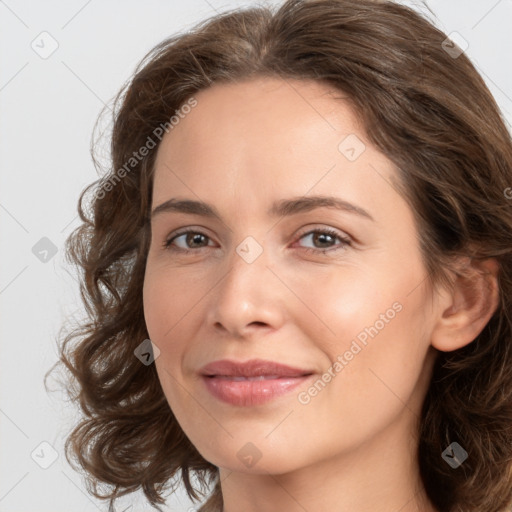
(380, 474)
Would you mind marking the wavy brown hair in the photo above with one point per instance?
(425, 109)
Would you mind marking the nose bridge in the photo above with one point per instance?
(247, 271)
(246, 294)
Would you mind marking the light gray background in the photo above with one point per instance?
(48, 107)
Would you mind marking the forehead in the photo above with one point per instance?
(259, 116)
(270, 103)
(267, 138)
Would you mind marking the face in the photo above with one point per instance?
(335, 291)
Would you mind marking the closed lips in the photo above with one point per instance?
(251, 383)
(260, 377)
(255, 369)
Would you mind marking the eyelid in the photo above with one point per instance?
(322, 227)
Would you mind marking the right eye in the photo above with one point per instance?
(188, 239)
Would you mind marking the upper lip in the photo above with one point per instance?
(252, 368)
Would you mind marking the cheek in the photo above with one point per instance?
(374, 323)
(380, 378)
(334, 305)
(174, 303)
(163, 309)
(168, 297)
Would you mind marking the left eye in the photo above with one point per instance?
(325, 238)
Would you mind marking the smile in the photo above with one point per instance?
(252, 382)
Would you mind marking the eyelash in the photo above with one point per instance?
(325, 231)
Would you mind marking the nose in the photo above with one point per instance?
(248, 299)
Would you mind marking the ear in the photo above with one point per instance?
(465, 309)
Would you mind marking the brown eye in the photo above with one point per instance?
(187, 240)
(324, 240)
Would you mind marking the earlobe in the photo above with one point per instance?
(465, 310)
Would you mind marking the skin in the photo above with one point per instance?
(353, 445)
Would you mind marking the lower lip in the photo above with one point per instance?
(251, 392)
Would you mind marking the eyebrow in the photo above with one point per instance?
(281, 208)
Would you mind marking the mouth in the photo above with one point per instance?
(251, 383)
(254, 368)
(255, 378)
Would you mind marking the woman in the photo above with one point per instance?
(308, 215)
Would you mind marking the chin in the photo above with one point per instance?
(253, 457)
